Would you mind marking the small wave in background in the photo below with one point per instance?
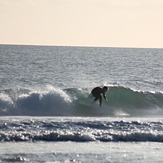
(24, 129)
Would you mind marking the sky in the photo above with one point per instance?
(101, 23)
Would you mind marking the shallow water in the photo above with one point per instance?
(81, 152)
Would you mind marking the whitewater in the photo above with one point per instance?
(47, 112)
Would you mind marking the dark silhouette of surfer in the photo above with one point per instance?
(97, 91)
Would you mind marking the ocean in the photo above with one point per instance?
(47, 112)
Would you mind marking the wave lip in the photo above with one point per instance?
(126, 97)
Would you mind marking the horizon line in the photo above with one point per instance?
(84, 46)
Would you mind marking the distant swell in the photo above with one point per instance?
(78, 102)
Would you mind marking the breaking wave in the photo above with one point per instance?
(52, 101)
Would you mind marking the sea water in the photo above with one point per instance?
(47, 113)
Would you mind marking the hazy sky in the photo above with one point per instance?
(111, 23)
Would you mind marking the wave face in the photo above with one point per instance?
(78, 102)
(80, 130)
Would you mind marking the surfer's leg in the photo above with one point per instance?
(100, 100)
(96, 98)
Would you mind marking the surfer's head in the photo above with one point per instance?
(105, 88)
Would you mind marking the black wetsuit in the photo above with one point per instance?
(96, 92)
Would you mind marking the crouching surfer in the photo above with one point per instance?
(97, 91)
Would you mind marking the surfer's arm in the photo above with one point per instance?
(105, 97)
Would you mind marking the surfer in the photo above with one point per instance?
(97, 91)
